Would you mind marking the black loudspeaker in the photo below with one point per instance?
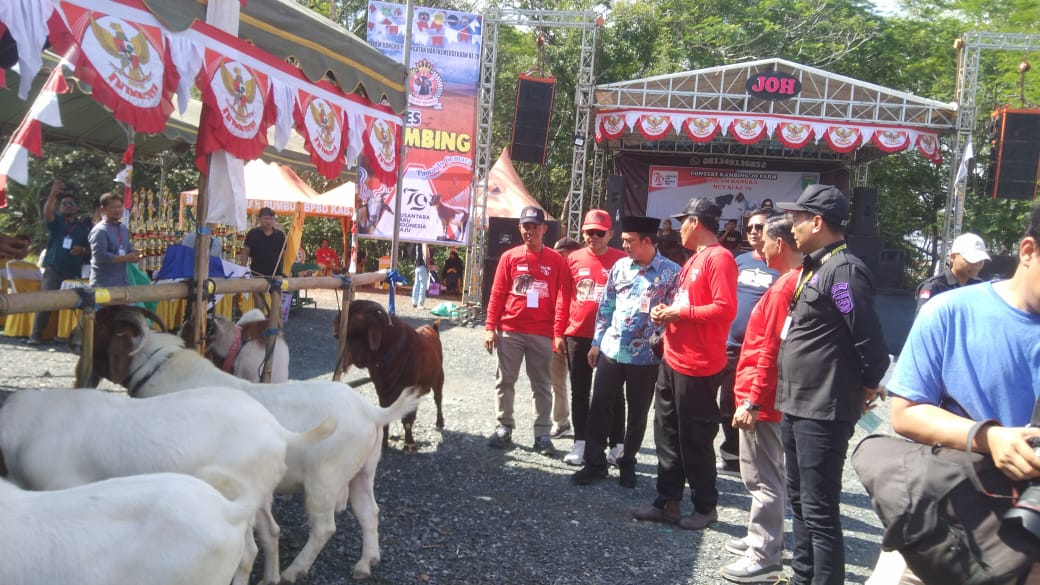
(864, 211)
(534, 102)
(890, 269)
(614, 204)
(1014, 166)
(504, 233)
(867, 249)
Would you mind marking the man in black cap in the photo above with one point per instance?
(264, 244)
(831, 362)
(526, 315)
(621, 351)
(686, 416)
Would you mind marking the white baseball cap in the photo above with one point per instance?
(253, 315)
(970, 247)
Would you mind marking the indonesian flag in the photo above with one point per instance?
(28, 137)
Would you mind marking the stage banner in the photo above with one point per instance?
(739, 191)
(441, 126)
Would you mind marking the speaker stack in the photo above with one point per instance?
(534, 102)
(614, 204)
(1014, 167)
(504, 233)
(863, 240)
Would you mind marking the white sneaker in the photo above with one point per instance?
(577, 454)
(614, 454)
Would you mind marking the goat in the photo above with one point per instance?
(160, 529)
(57, 439)
(240, 349)
(331, 471)
(451, 217)
(396, 355)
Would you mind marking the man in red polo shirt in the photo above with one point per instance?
(589, 268)
(526, 315)
(686, 417)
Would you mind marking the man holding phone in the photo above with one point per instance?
(67, 245)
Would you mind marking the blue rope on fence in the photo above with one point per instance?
(394, 278)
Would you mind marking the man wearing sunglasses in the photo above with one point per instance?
(67, 246)
(753, 278)
(589, 269)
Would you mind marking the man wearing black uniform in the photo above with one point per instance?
(967, 255)
(831, 362)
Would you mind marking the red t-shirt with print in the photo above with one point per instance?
(529, 293)
(589, 274)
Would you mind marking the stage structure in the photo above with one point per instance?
(588, 23)
(969, 49)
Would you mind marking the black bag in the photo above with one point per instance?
(942, 510)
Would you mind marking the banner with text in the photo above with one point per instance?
(739, 191)
(444, 67)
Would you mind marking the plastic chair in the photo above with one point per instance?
(23, 277)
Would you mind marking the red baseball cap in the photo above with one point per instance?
(597, 219)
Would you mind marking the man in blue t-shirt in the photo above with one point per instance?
(973, 354)
(67, 246)
(753, 278)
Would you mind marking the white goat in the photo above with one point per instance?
(246, 347)
(160, 529)
(56, 439)
(330, 472)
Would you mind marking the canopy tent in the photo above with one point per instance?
(759, 117)
(278, 187)
(506, 194)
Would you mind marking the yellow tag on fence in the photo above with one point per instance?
(285, 285)
(102, 296)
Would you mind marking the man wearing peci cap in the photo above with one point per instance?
(967, 255)
(831, 361)
(526, 315)
(686, 417)
(589, 268)
(621, 348)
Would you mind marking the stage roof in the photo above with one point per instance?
(884, 120)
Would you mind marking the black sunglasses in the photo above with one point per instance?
(755, 227)
(595, 233)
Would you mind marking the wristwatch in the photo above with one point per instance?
(748, 405)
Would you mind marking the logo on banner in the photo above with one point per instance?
(383, 144)
(664, 179)
(126, 53)
(773, 85)
(241, 105)
(426, 86)
(323, 128)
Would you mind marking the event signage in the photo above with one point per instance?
(444, 67)
(738, 191)
(773, 85)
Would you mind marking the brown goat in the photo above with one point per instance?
(396, 356)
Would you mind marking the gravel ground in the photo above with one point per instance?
(458, 512)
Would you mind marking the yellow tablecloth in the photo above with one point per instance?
(171, 312)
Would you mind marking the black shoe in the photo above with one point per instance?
(501, 438)
(730, 467)
(628, 476)
(544, 445)
(589, 474)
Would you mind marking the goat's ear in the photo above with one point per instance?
(375, 336)
(121, 347)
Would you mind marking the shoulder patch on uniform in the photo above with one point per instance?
(924, 294)
(842, 297)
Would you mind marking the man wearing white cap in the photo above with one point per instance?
(967, 255)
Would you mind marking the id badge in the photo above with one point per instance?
(644, 303)
(532, 298)
(122, 251)
(67, 243)
(786, 327)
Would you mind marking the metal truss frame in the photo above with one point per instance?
(586, 22)
(971, 45)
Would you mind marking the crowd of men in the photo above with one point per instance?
(710, 336)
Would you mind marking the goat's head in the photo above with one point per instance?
(365, 329)
(119, 331)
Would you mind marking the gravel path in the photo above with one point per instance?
(458, 512)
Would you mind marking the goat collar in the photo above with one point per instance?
(132, 385)
(385, 359)
(236, 346)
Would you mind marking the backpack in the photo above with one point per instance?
(947, 524)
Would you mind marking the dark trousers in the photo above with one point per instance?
(730, 448)
(686, 421)
(815, 452)
(607, 397)
(581, 391)
(51, 281)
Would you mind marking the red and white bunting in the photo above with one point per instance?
(28, 137)
(381, 147)
(240, 109)
(928, 146)
(653, 126)
(323, 127)
(701, 129)
(126, 64)
(748, 130)
(610, 126)
(794, 134)
(891, 140)
(843, 138)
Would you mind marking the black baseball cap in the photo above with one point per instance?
(700, 207)
(826, 201)
(532, 214)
